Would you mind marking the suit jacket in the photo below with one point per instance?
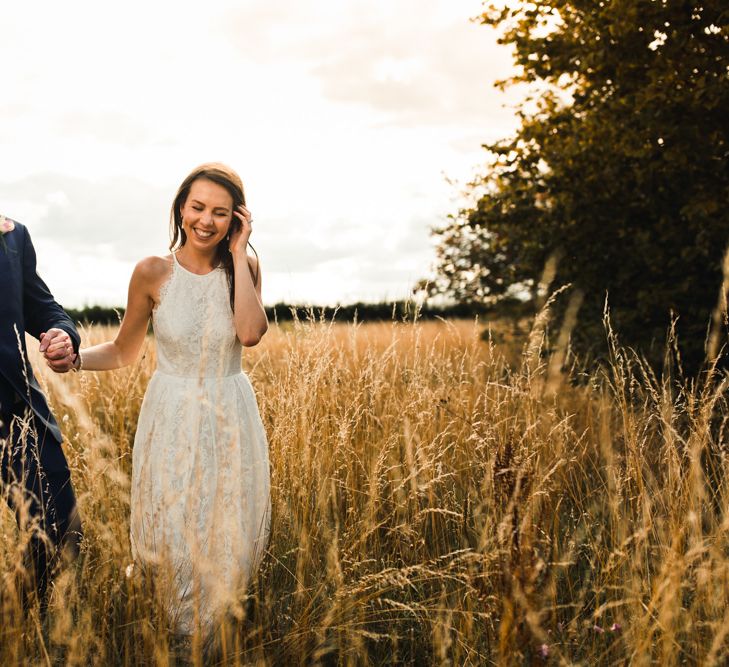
(26, 305)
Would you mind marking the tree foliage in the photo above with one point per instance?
(620, 168)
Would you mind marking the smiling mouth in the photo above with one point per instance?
(202, 234)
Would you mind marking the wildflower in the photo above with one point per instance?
(598, 629)
(129, 569)
(616, 627)
(6, 225)
(544, 651)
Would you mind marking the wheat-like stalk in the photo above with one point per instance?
(432, 504)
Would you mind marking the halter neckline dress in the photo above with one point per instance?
(200, 498)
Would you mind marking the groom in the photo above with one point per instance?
(35, 476)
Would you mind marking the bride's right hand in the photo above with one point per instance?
(57, 349)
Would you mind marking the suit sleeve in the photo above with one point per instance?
(41, 310)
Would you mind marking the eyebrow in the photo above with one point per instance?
(197, 201)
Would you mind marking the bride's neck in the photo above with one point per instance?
(195, 260)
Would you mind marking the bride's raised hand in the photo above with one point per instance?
(241, 232)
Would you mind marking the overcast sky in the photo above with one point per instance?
(354, 124)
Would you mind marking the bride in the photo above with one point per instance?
(200, 503)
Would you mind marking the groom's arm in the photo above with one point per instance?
(41, 310)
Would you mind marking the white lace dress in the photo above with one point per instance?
(200, 500)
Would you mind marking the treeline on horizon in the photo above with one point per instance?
(360, 311)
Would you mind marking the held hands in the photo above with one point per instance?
(57, 348)
(239, 238)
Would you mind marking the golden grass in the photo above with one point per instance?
(433, 503)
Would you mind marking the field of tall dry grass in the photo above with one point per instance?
(437, 499)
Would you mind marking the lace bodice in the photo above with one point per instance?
(193, 325)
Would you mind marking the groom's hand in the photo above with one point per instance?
(57, 348)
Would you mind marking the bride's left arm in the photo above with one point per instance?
(249, 315)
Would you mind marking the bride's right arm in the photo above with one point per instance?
(123, 350)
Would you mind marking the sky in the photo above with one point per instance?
(355, 126)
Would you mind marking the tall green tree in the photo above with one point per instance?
(620, 168)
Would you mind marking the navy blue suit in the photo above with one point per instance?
(32, 458)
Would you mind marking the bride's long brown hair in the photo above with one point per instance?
(222, 175)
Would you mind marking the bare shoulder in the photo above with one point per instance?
(150, 274)
(153, 269)
(254, 268)
(253, 263)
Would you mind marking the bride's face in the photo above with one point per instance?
(206, 214)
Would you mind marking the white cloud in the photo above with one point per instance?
(125, 215)
(418, 63)
(345, 121)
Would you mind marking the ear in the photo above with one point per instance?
(181, 204)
